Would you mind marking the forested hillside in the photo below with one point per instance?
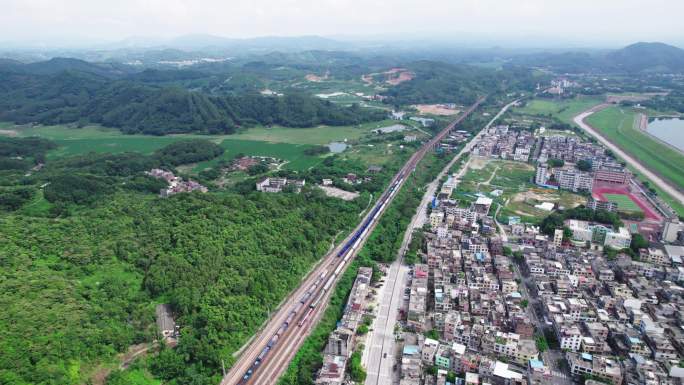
(437, 82)
(81, 277)
(137, 107)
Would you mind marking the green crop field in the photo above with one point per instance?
(623, 202)
(78, 141)
(314, 135)
(284, 143)
(617, 125)
(564, 109)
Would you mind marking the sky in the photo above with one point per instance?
(601, 23)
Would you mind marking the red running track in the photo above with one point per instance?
(649, 213)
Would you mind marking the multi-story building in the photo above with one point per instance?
(574, 180)
(568, 334)
(542, 176)
(618, 240)
(611, 174)
(436, 218)
(596, 204)
(558, 237)
(655, 256)
(595, 365)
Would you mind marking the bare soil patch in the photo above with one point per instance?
(478, 163)
(393, 76)
(317, 79)
(436, 109)
(339, 193)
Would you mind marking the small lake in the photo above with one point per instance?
(336, 147)
(669, 130)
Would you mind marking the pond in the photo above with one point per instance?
(669, 130)
(336, 147)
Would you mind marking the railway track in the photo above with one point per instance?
(268, 355)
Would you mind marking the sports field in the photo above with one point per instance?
(624, 202)
(617, 124)
(627, 201)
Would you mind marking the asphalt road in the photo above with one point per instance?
(379, 367)
(655, 179)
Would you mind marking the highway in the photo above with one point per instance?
(269, 353)
(655, 179)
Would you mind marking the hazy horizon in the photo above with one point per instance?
(527, 23)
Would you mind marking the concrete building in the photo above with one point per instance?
(595, 365)
(574, 180)
(618, 240)
(616, 175)
(596, 204)
(542, 176)
(671, 230)
(558, 237)
(482, 205)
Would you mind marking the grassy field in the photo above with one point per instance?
(617, 125)
(519, 194)
(564, 109)
(623, 202)
(292, 153)
(314, 135)
(284, 143)
(77, 141)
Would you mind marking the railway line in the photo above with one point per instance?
(268, 355)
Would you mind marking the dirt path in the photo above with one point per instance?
(491, 177)
(502, 230)
(641, 121)
(126, 359)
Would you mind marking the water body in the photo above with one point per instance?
(336, 147)
(669, 130)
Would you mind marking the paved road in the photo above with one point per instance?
(655, 179)
(379, 367)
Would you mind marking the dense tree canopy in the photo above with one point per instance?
(87, 282)
(188, 151)
(136, 107)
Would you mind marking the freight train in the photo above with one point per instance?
(345, 253)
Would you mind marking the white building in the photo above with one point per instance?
(542, 176)
(436, 219)
(618, 240)
(574, 180)
(558, 237)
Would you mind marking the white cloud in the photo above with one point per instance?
(618, 21)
